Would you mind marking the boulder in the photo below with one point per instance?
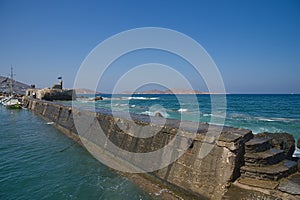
(98, 98)
(283, 141)
(158, 114)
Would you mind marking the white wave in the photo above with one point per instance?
(272, 119)
(285, 119)
(297, 153)
(120, 104)
(182, 110)
(152, 113)
(256, 129)
(114, 98)
(216, 115)
(132, 106)
(147, 113)
(141, 98)
(239, 116)
(266, 119)
(50, 123)
(82, 101)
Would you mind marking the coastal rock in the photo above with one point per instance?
(298, 144)
(283, 141)
(158, 114)
(98, 98)
(291, 185)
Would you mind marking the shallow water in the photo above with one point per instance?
(32, 166)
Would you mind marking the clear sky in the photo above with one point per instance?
(255, 44)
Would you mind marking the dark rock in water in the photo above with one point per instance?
(98, 98)
(298, 144)
(158, 114)
(283, 141)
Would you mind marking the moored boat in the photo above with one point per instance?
(12, 104)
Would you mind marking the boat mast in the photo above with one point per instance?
(11, 80)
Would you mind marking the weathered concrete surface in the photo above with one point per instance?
(247, 193)
(268, 184)
(291, 185)
(250, 190)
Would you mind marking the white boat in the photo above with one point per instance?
(12, 104)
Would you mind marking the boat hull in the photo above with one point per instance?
(15, 106)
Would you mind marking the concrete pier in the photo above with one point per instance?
(237, 157)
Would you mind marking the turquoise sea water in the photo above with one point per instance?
(259, 113)
(32, 166)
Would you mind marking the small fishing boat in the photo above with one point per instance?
(12, 104)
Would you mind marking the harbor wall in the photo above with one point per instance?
(207, 177)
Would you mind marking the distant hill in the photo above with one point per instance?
(86, 91)
(172, 91)
(18, 87)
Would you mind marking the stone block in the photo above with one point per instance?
(283, 141)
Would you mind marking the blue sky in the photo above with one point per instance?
(255, 44)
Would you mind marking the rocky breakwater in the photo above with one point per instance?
(269, 165)
(198, 176)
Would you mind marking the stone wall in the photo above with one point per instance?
(51, 94)
(207, 177)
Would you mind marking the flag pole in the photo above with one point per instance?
(11, 80)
